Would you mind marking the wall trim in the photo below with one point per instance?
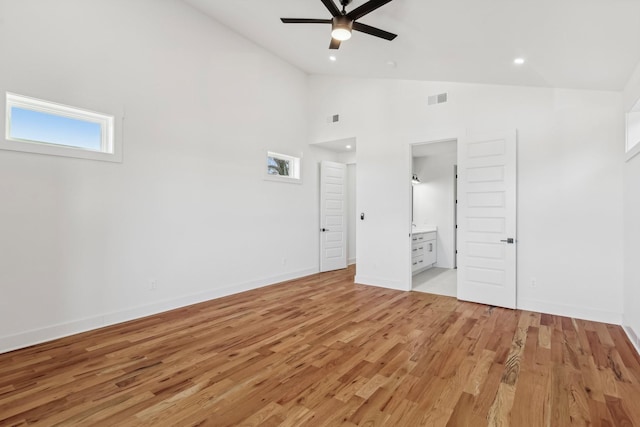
(351, 261)
(633, 337)
(61, 330)
(381, 283)
(585, 313)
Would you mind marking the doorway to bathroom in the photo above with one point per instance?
(434, 224)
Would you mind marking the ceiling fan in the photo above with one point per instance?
(343, 23)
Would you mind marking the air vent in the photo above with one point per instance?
(438, 99)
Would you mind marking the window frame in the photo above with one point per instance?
(295, 172)
(632, 147)
(110, 146)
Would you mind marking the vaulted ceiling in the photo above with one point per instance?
(582, 44)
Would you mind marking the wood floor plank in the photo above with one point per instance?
(323, 351)
(463, 414)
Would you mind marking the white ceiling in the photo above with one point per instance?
(338, 145)
(582, 44)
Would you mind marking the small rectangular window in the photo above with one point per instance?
(38, 126)
(281, 167)
(633, 130)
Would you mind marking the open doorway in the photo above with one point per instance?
(434, 224)
(342, 152)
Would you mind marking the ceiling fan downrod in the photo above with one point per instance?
(344, 4)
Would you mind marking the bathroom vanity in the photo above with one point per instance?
(423, 249)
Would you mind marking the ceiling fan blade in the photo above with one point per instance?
(332, 7)
(363, 28)
(335, 44)
(305, 21)
(366, 8)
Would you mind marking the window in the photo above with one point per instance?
(633, 132)
(37, 126)
(281, 167)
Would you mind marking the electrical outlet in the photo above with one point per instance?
(533, 282)
(153, 284)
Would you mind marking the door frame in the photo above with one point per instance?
(455, 213)
(429, 138)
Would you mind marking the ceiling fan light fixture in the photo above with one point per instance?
(341, 27)
(341, 34)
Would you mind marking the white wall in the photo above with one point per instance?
(632, 224)
(188, 207)
(631, 92)
(433, 200)
(348, 158)
(571, 146)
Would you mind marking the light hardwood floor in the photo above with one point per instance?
(321, 351)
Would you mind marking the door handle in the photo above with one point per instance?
(324, 229)
(508, 240)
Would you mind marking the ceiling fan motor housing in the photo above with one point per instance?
(341, 22)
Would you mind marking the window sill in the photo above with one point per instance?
(633, 152)
(56, 150)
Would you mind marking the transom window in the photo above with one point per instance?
(38, 126)
(281, 167)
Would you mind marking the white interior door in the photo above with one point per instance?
(333, 216)
(487, 172)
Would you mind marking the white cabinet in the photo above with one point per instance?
(423, 251)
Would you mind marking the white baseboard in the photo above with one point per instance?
(382, 283)
(49, 333)
(351, 261)
(571, 311)
(633, 337)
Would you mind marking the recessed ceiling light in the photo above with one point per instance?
(518, 61)
(392, 64)
(348, 147)
(333, 58)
